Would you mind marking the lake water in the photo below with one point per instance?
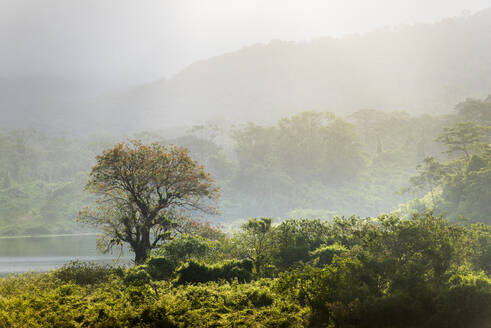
(21, 254)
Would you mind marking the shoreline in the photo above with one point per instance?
(49, 235)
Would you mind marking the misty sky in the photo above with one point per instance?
(129, 42)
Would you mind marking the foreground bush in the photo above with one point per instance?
(42, 300)
(196, 272)
(389, 272)
(85, 273)
(354, 273)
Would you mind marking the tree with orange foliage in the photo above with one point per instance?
(142, 190)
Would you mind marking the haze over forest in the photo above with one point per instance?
(418, 68)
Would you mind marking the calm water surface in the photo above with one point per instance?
(21, 254)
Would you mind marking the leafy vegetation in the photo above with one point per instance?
(418, 254)
(142, 192)
(459, 186)
(345, 272)
(308, 165)
(408, 268)
(41, 181)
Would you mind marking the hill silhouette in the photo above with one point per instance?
(422, 68)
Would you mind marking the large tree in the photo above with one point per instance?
(255, 242)
(142, 190)
(461, 137)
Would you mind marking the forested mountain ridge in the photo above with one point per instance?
(422, 68)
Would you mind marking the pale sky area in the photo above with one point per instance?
(137, 41)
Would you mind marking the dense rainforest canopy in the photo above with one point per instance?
(313, 164)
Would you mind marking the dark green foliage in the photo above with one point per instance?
(255, 242)
(261, 297)
(137, 275)
(85, 273)
(325, 254)
(155, 268)
(160, 268)
(479, 240)
(296, 238)
(396, 273)
(189, 246)
(358, 273)
(465, 303)
(196, 272)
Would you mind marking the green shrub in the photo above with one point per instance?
(85, 273)
(260, 298)
(196, 272)
(325, 254)
(137, 275)
(187, 247)
(234, 305)
(39, 300)
(160, 268)
(466, 302)
(389, 273)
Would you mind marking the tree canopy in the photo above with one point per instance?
(142, 191)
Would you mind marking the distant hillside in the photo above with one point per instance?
(419, 68)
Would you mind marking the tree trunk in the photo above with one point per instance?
(140, 255)
(142, 249)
